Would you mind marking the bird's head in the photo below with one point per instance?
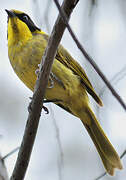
(20, 26)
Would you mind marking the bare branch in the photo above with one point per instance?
(123, 154)
(101, 176)
(45, 19)
(39, 92)
(116, 78)
(60, 157)
(90, 59)
(38, 14)
(10, 153)
(42, 19)
(46, 15)
(3, 171)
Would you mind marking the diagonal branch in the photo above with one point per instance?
(3, 170)
(10, 153)
(89, 58)
(60, 162)
(38, 96)
(115, 80)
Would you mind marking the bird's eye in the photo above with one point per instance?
(25, 18)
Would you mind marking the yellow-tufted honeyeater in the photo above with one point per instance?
(71, 86)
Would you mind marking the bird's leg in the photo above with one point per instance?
(51, 82)
(50, 77)
(53, 76)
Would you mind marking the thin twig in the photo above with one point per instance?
(46, 15)
(39, 92)
(102, 175)
(43, 20)
(3, 170)
(38, 14)
(10, 153)
(115, 80)
(60, 157)
(123, 154)
(90, 59)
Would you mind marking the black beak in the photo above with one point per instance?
(10, 13)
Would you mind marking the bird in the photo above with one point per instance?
(68, 85)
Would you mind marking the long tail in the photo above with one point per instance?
(105, 149)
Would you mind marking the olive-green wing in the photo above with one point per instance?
(65, 58)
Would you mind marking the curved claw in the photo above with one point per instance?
(30, 108)
(45, 109)
(37, 70)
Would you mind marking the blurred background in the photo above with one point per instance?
(63, 149)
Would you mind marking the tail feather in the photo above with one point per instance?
(105, 149)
